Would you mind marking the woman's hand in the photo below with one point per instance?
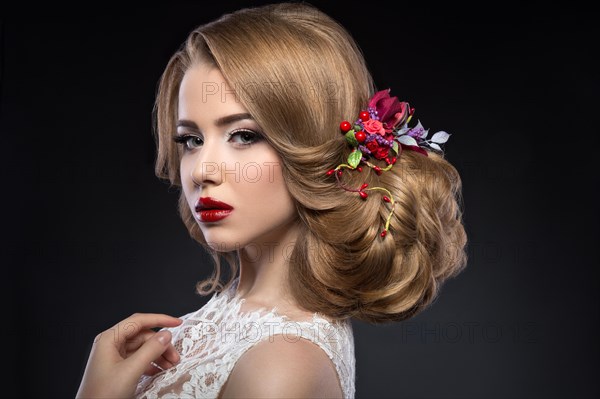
(123, 353)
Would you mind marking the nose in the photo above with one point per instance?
(206, 169)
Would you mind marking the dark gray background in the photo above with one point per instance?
(92, 236)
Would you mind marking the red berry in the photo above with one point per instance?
(360, 136)
(364, 116)
(339, 172)
(330, 172)
(359, 168)
(377, 170)
(386, 199)
(345, 126)
(363, 195)
(365, 185)
(383, 233)
(387, 160)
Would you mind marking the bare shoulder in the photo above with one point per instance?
(283, 367)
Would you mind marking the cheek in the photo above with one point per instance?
(265, 187)
(262, 178)
(185, 176)
(188, 186)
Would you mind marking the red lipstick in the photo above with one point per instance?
(211, 210)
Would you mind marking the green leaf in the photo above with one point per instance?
(351, 139)
(395, 147)
(354, 158)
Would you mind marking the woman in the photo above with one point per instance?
(309, 182)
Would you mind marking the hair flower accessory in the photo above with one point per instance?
(382, 132)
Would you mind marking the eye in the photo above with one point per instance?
(244, 137)
(190, 141)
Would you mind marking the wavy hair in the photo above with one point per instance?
(299, 73)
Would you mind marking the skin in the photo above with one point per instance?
(225, 158)
(244, 171)
(283, 369)
(122, 353)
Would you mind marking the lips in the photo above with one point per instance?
(211, 210)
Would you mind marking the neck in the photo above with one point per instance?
(264, 268)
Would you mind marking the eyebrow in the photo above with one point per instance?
(225, 120)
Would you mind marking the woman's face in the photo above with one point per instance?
(231, 176)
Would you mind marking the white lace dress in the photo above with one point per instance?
(213, 338)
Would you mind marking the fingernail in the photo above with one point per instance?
(157, 366)
(163, 338)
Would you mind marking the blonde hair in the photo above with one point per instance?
(299, 73)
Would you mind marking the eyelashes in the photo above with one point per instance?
(185, 139)
(240, 138)
(243, 137)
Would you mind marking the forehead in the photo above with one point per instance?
(205, 94)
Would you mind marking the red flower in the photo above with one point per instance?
(390, 110)
(382, 152)
(374, 126)
(372, 146)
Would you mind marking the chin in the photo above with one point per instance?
(221, 242)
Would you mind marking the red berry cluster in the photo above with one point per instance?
(360, 136)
